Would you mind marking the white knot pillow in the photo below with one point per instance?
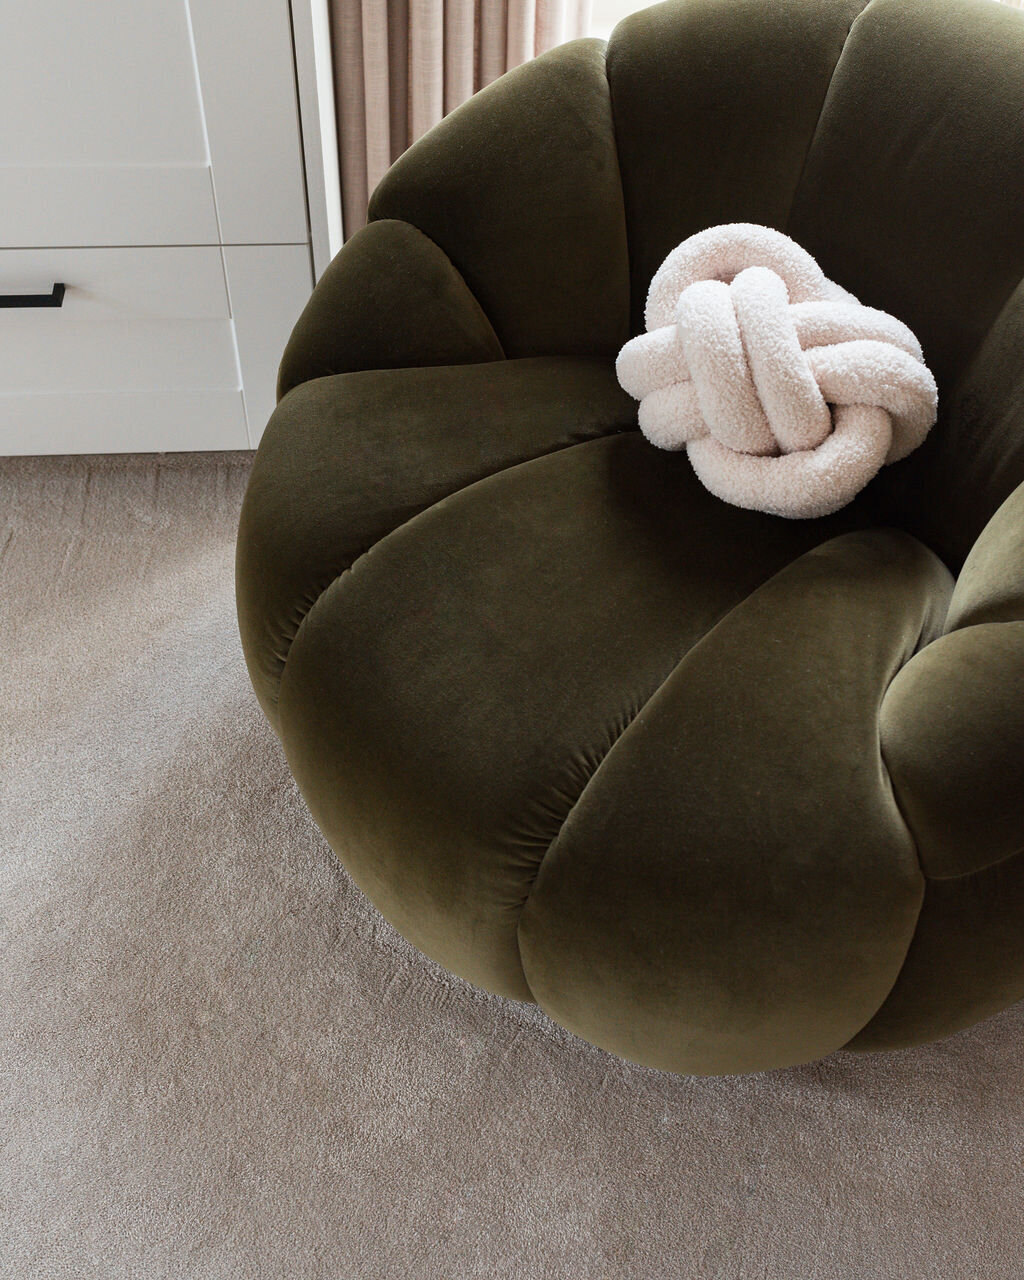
(788, 394)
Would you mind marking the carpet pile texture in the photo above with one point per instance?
(217, 1061)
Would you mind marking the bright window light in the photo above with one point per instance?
(608, 13)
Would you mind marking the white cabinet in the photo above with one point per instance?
(151, 160)
(141, 355)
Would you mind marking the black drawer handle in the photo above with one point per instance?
(54, 299)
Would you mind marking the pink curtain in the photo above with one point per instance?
(400, 65)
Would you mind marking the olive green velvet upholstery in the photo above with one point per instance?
(720, 791)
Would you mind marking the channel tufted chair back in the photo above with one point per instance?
(720, 791)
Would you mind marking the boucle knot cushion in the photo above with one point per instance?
(786, 391)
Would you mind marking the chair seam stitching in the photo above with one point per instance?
(976, 871)
(630, 721)
(893, 791)
(275, 698)
(613, 125)
(618, 738)
(818, 120)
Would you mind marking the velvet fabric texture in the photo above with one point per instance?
(720, 791)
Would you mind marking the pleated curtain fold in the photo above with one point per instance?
(400, 65)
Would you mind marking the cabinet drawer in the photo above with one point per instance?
(149, 122)
(107, 205)
(142, 333)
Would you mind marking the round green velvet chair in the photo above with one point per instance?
(719, 791)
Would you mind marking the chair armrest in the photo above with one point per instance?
(390, 299)
(735, 884)
(952, 722)
(990, 587)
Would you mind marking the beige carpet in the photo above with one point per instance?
(216, 1060)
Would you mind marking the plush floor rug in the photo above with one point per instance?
(217, 1061)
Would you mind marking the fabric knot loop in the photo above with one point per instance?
(787, 392)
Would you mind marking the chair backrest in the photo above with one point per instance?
(886, 137)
